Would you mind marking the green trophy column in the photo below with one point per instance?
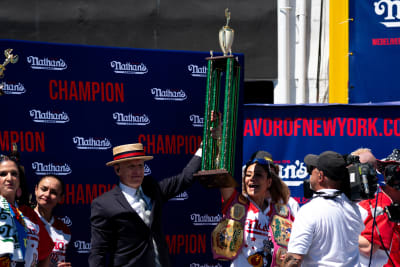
(218, 156)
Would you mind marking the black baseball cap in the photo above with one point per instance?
(331, 163)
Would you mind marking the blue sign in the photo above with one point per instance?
(66, 106)
(290, 132)
(374, 50)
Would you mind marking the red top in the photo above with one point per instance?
(389, 231)
(46, 244)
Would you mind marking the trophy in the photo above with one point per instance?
(226, 35)
(10, 58)
(218, 154)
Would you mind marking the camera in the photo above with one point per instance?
(392, 179)
(392, 175)
(363, 180)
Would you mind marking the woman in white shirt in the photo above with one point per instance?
(256, 223)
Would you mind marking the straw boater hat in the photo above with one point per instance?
(128, 152)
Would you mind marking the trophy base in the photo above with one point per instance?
(216, 178)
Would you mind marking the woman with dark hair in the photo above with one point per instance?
(24, 238)
(49, 191)
(256, 223)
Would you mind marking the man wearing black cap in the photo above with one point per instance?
(386, 232)
(326, 229)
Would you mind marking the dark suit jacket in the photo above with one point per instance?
(120, 237)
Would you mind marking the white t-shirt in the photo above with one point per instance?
(326, 232)
(294, 206)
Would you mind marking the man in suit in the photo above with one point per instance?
(126, 221)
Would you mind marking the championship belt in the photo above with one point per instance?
(281, 228)
(227, 237)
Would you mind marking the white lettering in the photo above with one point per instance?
(206, 219)
(197, 71)
(82, 246)
(174, 95)
(128, 68)
(197, 120)
(298, 171)
(388, 7)
(48, 116)
(130, 119)
(13, 89)
(50, 168)
(91, 143)
(46, 64)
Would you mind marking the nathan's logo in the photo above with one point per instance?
(293, 174)
(130, 119)
(66, 220)
(390, 8)
(182, 196)
(91, 143)
(196, 120)
(46, 64)
(128, 68)
(168, 94)
(51, 168)
(204, 265)
(48, 116)
(82, 246)
(198, 219)
(13, 88)
(197, 71)
(147, 170)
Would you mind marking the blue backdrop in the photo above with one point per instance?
(66, 106)
(374, 44)
(289, 132)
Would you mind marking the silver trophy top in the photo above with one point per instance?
(226, 34)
